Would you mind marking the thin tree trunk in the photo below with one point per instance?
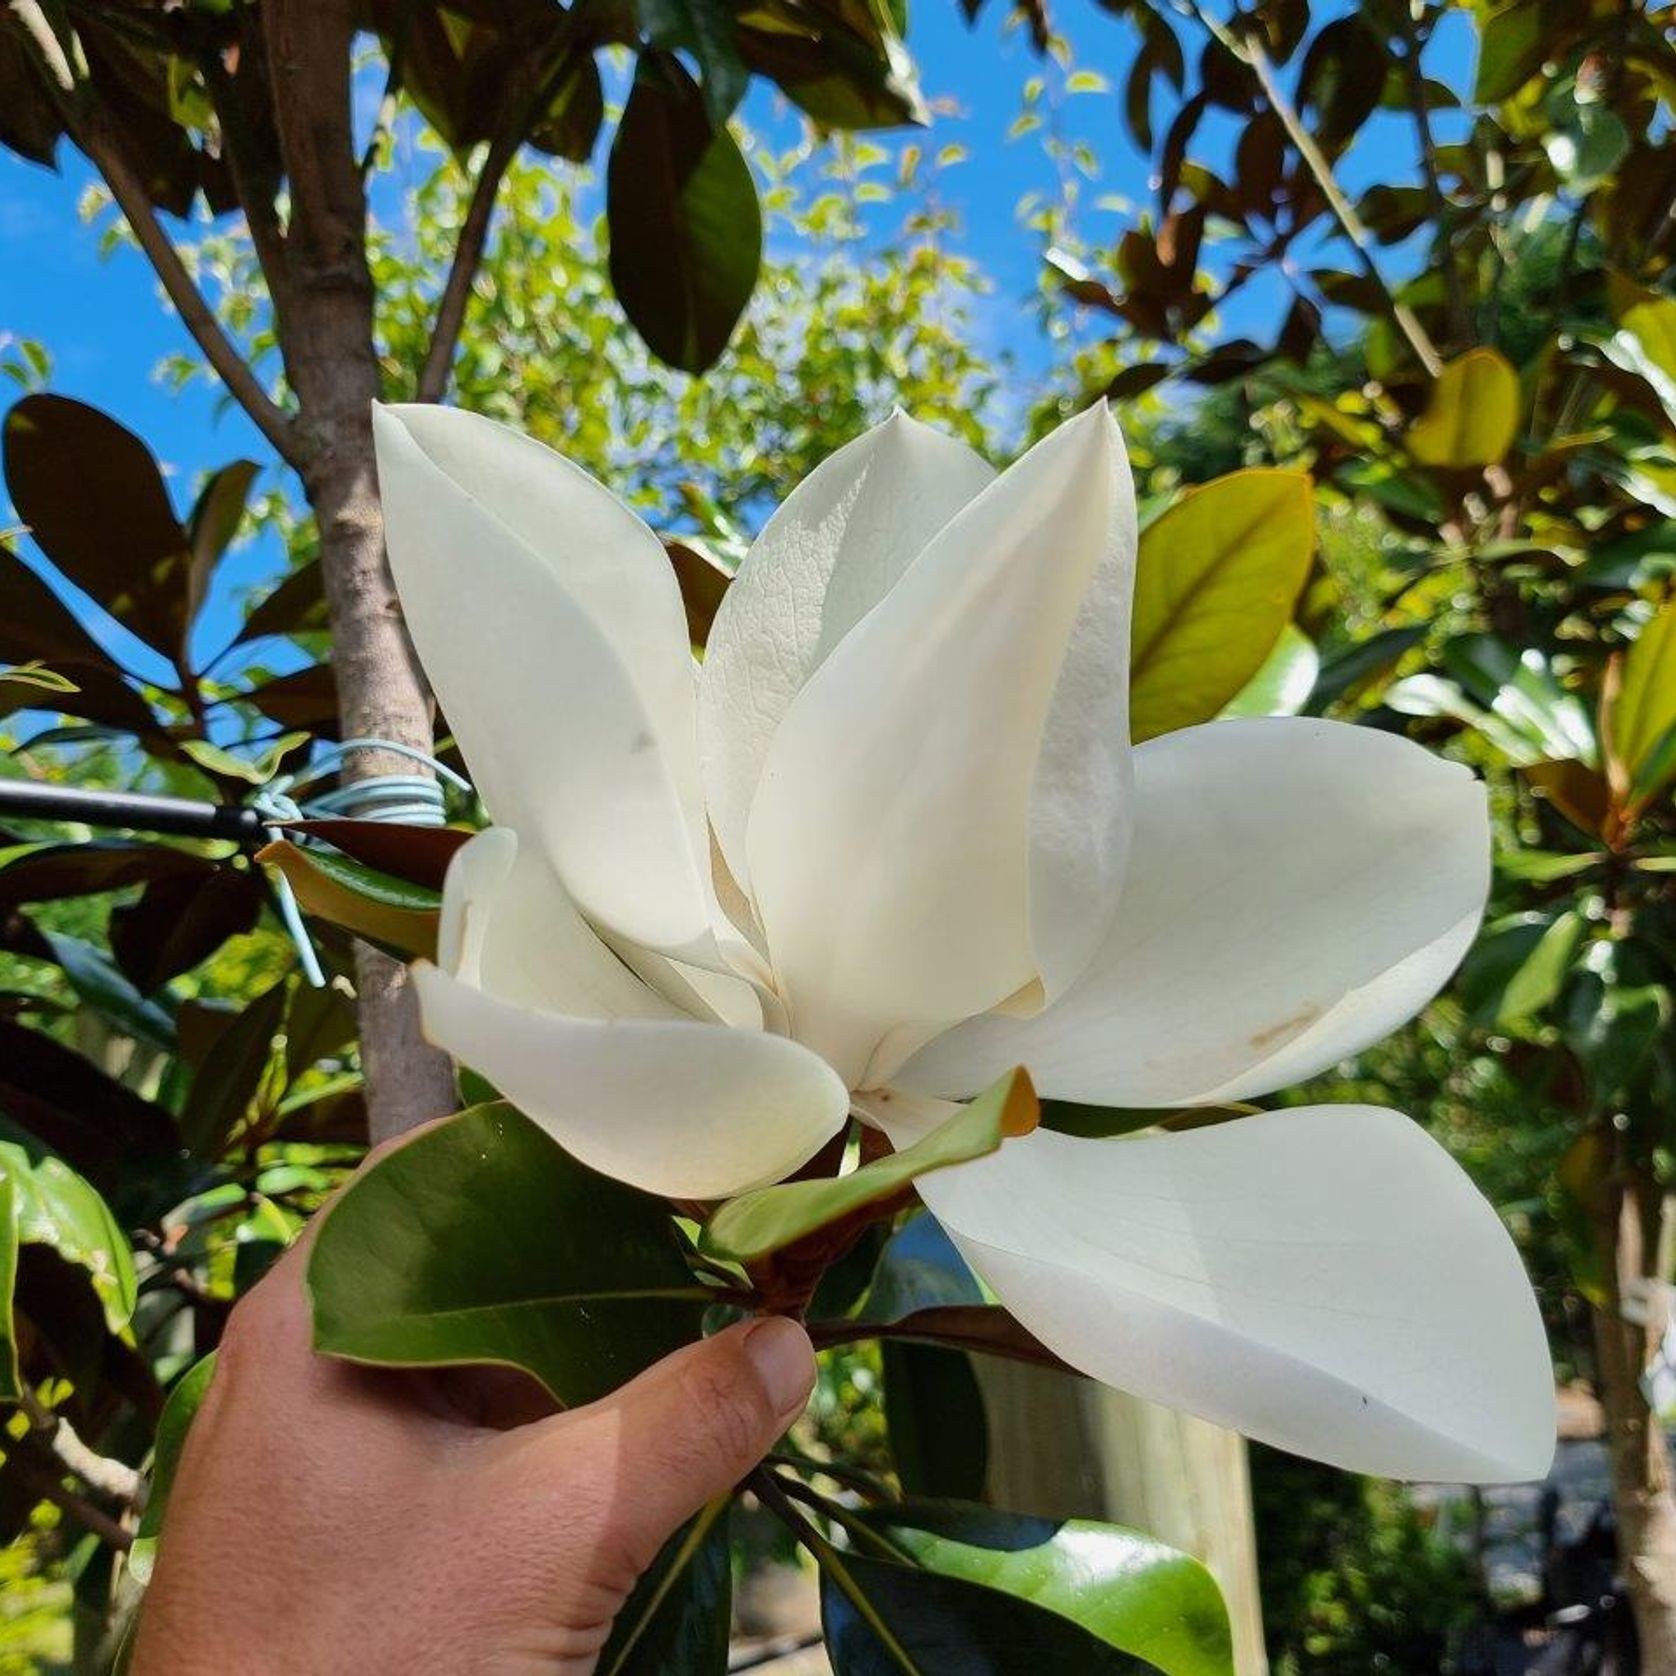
(331, 364)
(1643, 1499)
(1063, 1447)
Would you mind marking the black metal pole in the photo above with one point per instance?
(137, 810)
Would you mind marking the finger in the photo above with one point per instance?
(683, 1433)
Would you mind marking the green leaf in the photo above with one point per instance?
(224, 1086)
(32, 686)
(214, 521)
(385, 910)
(676, 1622)
(1216, 581)
(1512, 46)
(1538, 980)
(257, 771)
(1613, 1019)
(11, 1376)
(886, 1619)
(53, 872)
(685, 226)
(1282, 686)
(709, 30)
(1131, 1591)
(54, 1207)
(934, 1412)
(179, 922)
(178, 1414)
(920, 1268)
(1644, 711)
(770, 1218)
(94, 499)
(94, 976)
(1471, 415)
(297, 605)
(1347, 673)
(480, 1241)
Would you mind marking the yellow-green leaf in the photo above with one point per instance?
(1216, 581)
(771, 1218)
(1645, 710)
(373, 905)
(1472, 414)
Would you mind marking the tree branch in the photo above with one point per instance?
(1460, 320)
(1250, 52)
(45, 1482)
(462, 271)
(94, 131)
(101, 1473)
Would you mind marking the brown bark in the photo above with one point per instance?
(1641, 1468)
(330, 360)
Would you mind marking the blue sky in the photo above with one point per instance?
(100, 318)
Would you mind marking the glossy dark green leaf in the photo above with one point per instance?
(480, 1241)
(95, 977)
(939, 1432)
(416, 855)
(53, 872)
(1131, 1591)
(385, 910)
(11, 1378)
(94, 500)
(53, 1206)
(845, 66)
(306, 698)
(920, 1269)
(709, 30)
(1612, 1019)
(37, 624)
(211, 526)
(676, 1622)
(770, 1218)
(1539, 978)
(178, 1414)
(29, 119)
(106, 1131)
(227, 1082)
(297, 605)
(1345, 674)
(1342, 77)
(179, 922)
(685, 226)
(886, 1619)
(569, 127)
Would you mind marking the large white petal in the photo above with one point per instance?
(1081, 804)
(673, 1106)
(1325, 1279)
(1296, 890)
(509, 927)
(890, 838)
(831, 552)
(569, 687)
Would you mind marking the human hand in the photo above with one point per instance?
(329, 1518)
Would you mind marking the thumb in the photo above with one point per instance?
(684, 1432)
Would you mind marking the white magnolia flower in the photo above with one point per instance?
(890, 840)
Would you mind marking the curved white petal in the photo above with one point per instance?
(672, 1106)
(890, 837)
(1081, 804)
(509, 927)
(1296, 890)
(558, 649)
(1325, 1279)
(831, 552)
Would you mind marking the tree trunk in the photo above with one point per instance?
(326, 329)
(1063, 1447)
(1627, 1332)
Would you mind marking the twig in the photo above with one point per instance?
(59, 1438)
(1460, 321)
(45, 1482)
(93, 129)
(1250, 52)
(462, 271)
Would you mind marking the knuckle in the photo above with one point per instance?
(729, 1407)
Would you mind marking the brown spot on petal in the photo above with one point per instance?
(1286, 1028)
